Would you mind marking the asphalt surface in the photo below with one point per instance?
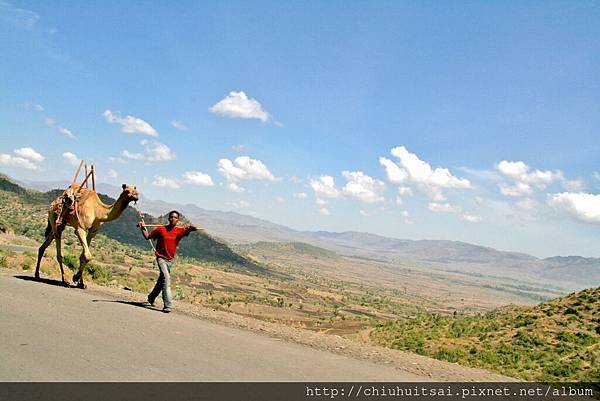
(53, 333)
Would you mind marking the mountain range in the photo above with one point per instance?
(568, 273)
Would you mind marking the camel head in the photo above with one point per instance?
(130, 193)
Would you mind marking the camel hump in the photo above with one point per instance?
(65, 203)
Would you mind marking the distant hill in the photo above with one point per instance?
(297, 248)
(569, 273)
(199, 245)
(453, 256)
(554, 341)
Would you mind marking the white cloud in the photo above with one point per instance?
(71, 158)
(280, 199)
(583, 206)
(66, 132)
(519, 189)
(229, 171)
(19, 17)
(488, 175)
(238, 205)
(527, 204)
(130, 124)
(238, 148)
(179, 125)
(49, 121)
(233, 187)
(443, 208)
(300, 195)
(24, 157)
(239, 105)
(519, 172)
(525, 180)
(573, 185)
(164, 182)
(16, 161)
(324, 211)
(115, 159)
(596, 175)
(411, 169)
(157, 152)
(453, 209)
(321, 202)
(363, 187)
(471, 218)
(255, 169)
(112, 174)
(405, 191)
(131, 155)
(29, 153)
(364, 213)
(394, 173)
(198, 178)
(244, 168)
(324, 186)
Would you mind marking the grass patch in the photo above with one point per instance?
(528, 343)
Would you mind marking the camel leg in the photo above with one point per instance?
(59, 257)
(84, 259)
(45, 244)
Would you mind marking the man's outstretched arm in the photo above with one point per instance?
(144, 230)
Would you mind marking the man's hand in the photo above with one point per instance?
(142, 226)
(192, 227)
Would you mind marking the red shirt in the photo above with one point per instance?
(167, 240)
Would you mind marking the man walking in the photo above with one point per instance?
(167, 238)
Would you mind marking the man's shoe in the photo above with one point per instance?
(167, 310)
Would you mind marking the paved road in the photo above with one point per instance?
(52, 333)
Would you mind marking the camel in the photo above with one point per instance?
(85, 212)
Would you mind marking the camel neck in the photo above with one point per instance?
(112, 212)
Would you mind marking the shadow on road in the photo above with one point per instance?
(48, 281)
(144, 305)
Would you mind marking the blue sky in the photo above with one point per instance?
(471, 121)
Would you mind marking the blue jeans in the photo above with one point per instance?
(163, 283)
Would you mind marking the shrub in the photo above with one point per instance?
(447, 355)
(527, 340)
(524, 320)
(72, 262)
(97, 273)
(563, 368)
